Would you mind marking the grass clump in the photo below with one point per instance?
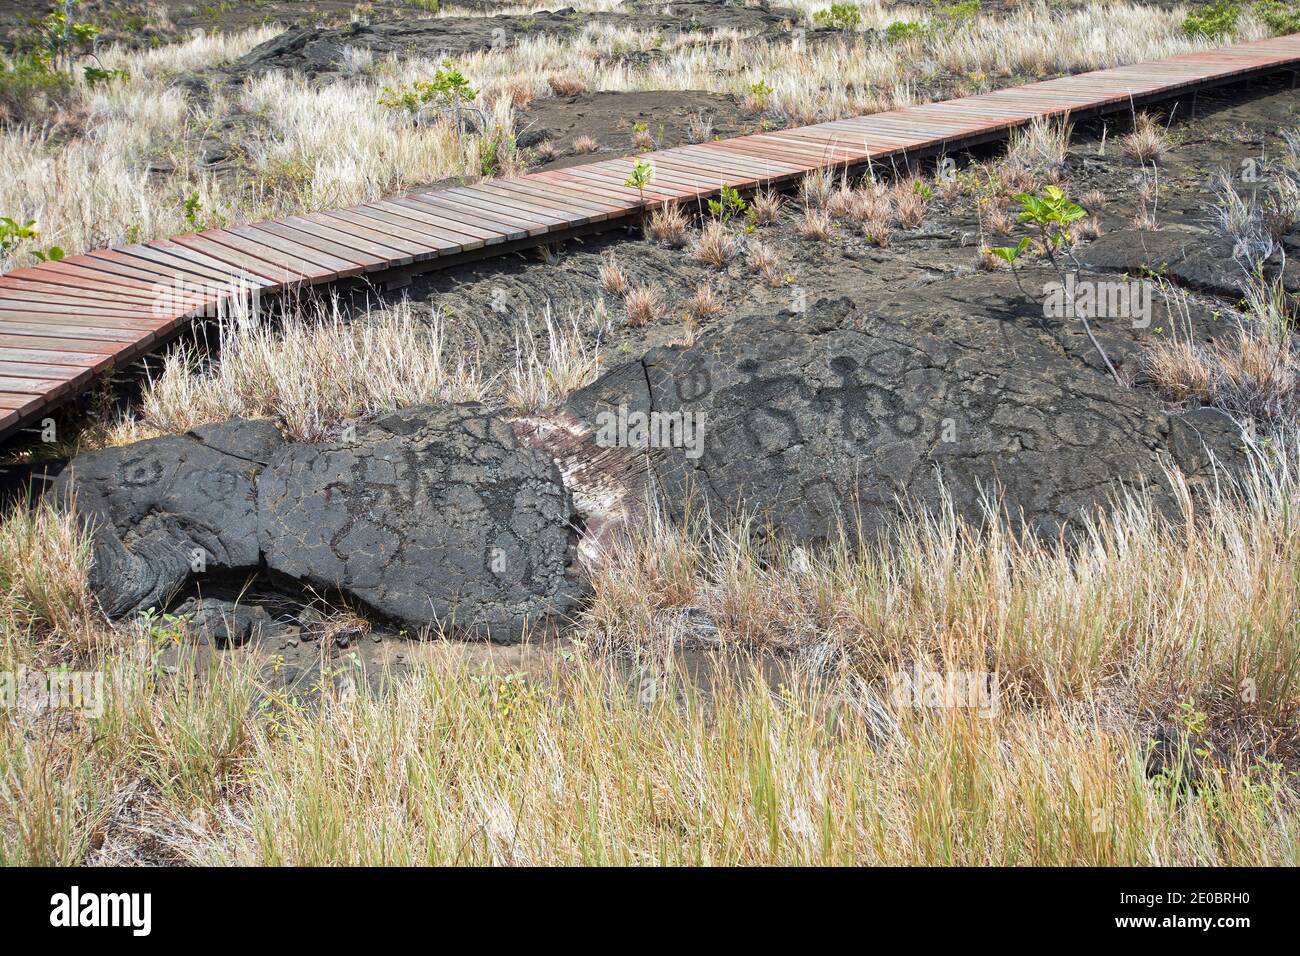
(311, 373)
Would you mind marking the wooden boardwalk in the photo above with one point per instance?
(64, 323)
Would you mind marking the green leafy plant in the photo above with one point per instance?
(1279, 17)
(1050, 215)
(57, 39)
(1213, 21)
(728, 204)
(901, 31)
(95, 75)
(192, 208)
(641, 176)
(839, 16)
(14, 233)
(495, 151)
(955, 13)
(447, 90)
(1009, 254)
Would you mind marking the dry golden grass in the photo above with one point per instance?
(585, 144)
(44, 568)
(1037, 150)
(542, 377)
(765, 207)
(715, 246)
(643, 140)
(612, 278)
(1148, 142)
(589, 758)
(815, 189)
(567, 83)
(643, 304)
(816, 224)
(311, 372)
(910, 201)
(704, 303)
(669, 225)
(763, 259)
(1250, 368)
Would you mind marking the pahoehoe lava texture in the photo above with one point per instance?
(426, 515)
(831, 415)
(167, 507)
(321, 50)
(429, 514)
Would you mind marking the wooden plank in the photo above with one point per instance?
(443, 225)
(50, 342)
(532, 219)
(364, 260)
(336, 232)
(455, 208)
(279, 276)
(343, 220)
(291, 263)
(42, 330)
(425, 243)
(538, 196)
(485, 193)
(336, 266)
(62, 323)
(40, 356)
(440, 241)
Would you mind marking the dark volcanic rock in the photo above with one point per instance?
(1193, 258)
(225, 623)
(321, 50)
(430, 514)
(834, 414)
(168, 507)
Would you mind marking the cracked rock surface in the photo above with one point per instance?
(428, 515)
(315, 50)
(168, 507)
(835, 414)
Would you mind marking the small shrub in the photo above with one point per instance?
(643, 305)
(900, 31)
(612, 278)
(839, 16)
(765, 207)
(756, 99)
(1148, 142)
(1279, 17)
(585, 144)
(567, 83)
(1214, 21)
(715, 246)
(29, 93)
(669, 225)
(728, 205)
(447, 89)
